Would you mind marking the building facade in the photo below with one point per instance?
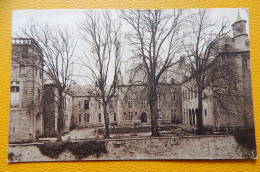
(219, 109)
(25, 120)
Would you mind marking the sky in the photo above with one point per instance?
(70, 18)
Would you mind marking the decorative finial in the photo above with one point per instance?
(238, 16)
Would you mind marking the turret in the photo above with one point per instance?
(240, 36)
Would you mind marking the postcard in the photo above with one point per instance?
(130, 85)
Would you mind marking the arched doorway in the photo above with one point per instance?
(143, 117)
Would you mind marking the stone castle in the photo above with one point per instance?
(33, 112)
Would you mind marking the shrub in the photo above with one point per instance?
(78, 149)
(11, 156)
(84, 149)
(52, 150)
(246, 139)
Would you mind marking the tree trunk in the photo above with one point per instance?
(154, 111)
(199, 114)
(106, 119)
(60, 115)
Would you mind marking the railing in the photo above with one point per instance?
(23, 41)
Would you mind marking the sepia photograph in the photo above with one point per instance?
(130, 85)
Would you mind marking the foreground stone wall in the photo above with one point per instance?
(194, 147)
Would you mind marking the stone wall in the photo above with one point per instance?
(193, 147)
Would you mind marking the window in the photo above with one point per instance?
(85, 118)
(130, 115)
(188, 94)
(205, 112)
(36, 71)
(143, 104)
(175, 114)
(64, 102)
(135, 113)
(159, 114)
(183, 96)
(22, 69)
(39, 94)
(86, 104)
(13, 129)
(248, 65)
(204, 96)
(195, 91)
(79, 105)
(99, 104)
(130, 103)
(173, 97)
(88, 116)
(159, 98)
(99, 117)
(114, 116)
(15, 89)
(40, 74)
(15, 94)
(111, 104)
(79, 118)
(191, 92)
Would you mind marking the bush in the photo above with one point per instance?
(85, 149)
(78, 149)
(11, 156)
(246, 139)
(52, 150)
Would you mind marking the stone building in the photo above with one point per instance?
(238, 111)
(50, 111)
(25, 120)
(86, 108)
(128, 107)
(177, 99)
(134, 107)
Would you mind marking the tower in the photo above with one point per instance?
(240, 36)
(25, 118)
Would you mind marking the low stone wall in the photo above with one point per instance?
(192, 147)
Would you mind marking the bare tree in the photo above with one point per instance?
(202, 48)
(154, 39)
(58, 47)
(102, 36)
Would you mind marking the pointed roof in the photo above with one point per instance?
(238, 18)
